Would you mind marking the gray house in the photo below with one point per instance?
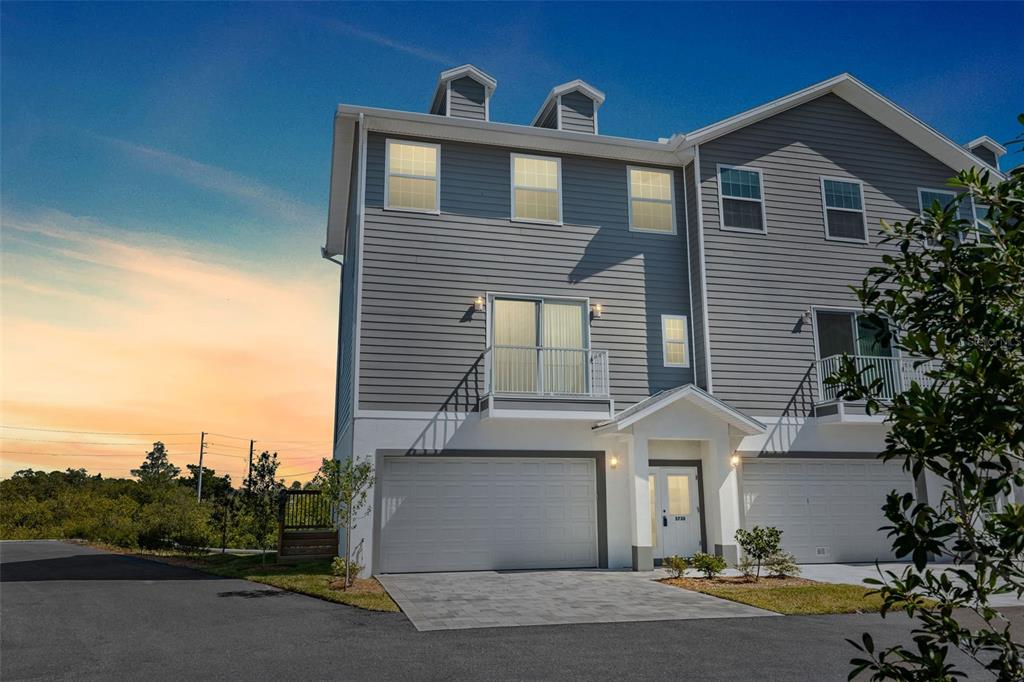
(566, 349)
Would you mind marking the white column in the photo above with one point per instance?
(640, 504)
(721, 486)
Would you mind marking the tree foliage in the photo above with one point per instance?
(157, 470)
(346, 484)
(262, 491)
(952, 299)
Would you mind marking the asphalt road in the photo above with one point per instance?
(72, 612)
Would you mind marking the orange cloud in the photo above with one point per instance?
(106, 330)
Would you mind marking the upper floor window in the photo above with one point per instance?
(740, 199)
(844, 210)
(673, 341)
(982, 226)
(537, 188)
(412, 182)
(651, 200)
(929, 197)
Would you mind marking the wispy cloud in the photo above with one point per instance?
(270, 200)
(346, 29)
(106, 329)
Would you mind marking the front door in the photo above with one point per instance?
(675, 511)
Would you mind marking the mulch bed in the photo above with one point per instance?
(738, 582)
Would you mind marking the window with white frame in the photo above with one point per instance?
(929, 197)
(674, 346)
(982, 226)
(412, 182)
(651, 200)
(741, 199)
(844, 210)
(536, 188)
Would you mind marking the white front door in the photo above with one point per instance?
(675, 511)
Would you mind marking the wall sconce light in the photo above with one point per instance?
(478, 304)
(613, 462)
(596, 311)
(806, 317)
(735, 461)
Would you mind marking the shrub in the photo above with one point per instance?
(338, 568)
(758, 544)
(782, 564)
(708, 564)
(676, 565)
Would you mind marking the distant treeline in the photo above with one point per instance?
(155, 509)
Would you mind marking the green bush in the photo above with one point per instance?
(338, 568)
(708, 564)
(758, 544)
(782, 564)
(676, 565)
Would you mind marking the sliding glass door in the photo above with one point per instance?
(539, 346)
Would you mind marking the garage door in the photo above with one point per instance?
(829, 510)
(470, 513)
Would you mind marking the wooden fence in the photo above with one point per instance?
(306, 531)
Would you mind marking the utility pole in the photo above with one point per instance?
(248, 477)
(202, 448)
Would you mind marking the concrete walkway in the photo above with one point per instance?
(854, 574)
(448, 601)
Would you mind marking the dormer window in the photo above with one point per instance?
(464, 92)
(572, 107)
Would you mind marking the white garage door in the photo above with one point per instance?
(470, 513)
(829, 510)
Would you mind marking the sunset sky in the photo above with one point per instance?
(165, 173)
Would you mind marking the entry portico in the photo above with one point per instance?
(684, 492)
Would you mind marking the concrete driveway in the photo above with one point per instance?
(76, 613)
(854, 574)
(481, 599)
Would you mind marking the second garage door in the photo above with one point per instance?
(829, 510)
(479, 513)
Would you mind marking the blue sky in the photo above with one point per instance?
(164, 167)
(107, 107)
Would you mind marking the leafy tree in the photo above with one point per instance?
(347, 485)
(954, 304)
(261, 497)
(222, 513)
(213, 485)
(759, 544)
(156, 470)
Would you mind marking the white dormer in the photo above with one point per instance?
(986, 149)
(463, 92)
(570, 106)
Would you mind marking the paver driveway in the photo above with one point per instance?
(479, 599)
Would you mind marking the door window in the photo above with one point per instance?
(678, 494)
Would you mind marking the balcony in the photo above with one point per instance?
(896, 374)
(544, 382)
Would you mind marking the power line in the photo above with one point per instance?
(225, 435)
(101, 433)
(64, 454)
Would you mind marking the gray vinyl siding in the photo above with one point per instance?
(578, 113)
(759, 285)
(468, 99)
(347, 314)
(420, 337)
(986, 155)
(550, 118)
(693, 245)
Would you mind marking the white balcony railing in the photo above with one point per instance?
(546, 372)
(896, 374)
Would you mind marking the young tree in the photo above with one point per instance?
(759, 545)
(261, 495)
(156, 470)
(953, 298)
(347, 485)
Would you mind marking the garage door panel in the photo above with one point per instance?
(441, 514)
(828, 510)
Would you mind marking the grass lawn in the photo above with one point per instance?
(312, 578)
(789, 596)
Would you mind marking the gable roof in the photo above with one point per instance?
(565, 88)
(467, 70)
(988, 143)
(859, 95)
(747, 425)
